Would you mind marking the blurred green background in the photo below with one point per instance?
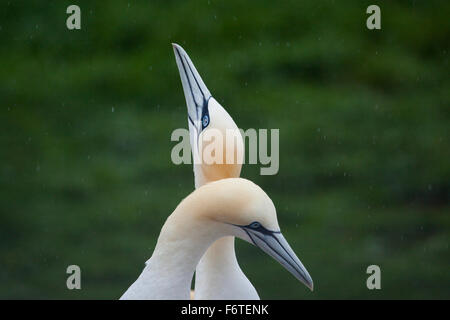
(364, 116)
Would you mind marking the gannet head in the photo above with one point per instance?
(207, 119)
(240, 208)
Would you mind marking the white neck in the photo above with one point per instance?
(168, 273)
(219, 277)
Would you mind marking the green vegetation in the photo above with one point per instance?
(364, 118)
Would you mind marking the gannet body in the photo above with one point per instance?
(218, 275)
(229, 207)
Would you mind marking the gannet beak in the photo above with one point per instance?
(274, 244)
(195, 90)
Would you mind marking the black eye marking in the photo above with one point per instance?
(257, 226)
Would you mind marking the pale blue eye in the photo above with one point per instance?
(255, 225)
(205, 120)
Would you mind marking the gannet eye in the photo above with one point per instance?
(255, 225)
(205, 121)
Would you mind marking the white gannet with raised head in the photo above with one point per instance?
(218, 275)
(229, 207)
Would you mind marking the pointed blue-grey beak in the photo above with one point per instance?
(195, 91)
(274, 244)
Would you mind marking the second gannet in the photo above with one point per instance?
(218, 275)
(229, 207)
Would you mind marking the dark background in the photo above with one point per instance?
(86, 118)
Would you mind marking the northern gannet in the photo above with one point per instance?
(218, 275)
(229, 207)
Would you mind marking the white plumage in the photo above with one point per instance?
(228, 207)
(199, 235)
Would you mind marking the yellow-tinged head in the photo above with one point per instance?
(217, 144)
(238, 207)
